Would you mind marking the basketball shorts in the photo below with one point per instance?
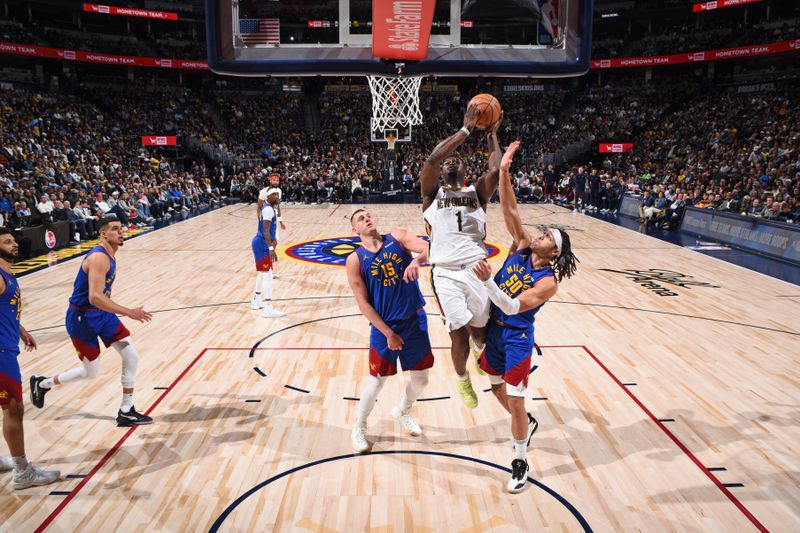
(508, 355)
(10, 377)
(261, 255)
(415, 354)
(84, 328)
(462, 298)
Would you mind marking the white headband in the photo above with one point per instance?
(557, 239)
(272, 191)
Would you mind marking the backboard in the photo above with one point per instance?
(525, 38)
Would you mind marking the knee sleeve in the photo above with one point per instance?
(130, 361)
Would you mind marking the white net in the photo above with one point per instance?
(394, 101)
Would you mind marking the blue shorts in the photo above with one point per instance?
(261, 254)
(508, 353)
(415, 354)
(84, 327)
(10, 377)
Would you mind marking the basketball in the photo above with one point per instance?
(490, 109)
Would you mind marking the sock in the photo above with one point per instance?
(46, 383)
(20, 463)
(127, 402)
(519, 448)
(256, 296)
(419, 378)
(266, 285)
(368, 396)
(463, 377)
(259, 284)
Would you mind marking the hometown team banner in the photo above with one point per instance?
(708, 6)
(94, 57)
(697, 57)
(159, 140)
(197, 64)
(130, 12)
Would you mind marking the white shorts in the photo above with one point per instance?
(462, 297)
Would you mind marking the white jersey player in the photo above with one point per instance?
(455, 217)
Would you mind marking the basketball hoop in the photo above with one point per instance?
(395, 101)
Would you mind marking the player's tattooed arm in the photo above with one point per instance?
(429, 176)
(487, 184)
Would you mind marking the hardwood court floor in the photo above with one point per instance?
(657, 412)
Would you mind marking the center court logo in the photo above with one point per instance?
(334, 251)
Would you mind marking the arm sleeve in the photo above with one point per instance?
(504, 302)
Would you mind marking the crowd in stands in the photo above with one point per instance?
(77, 156)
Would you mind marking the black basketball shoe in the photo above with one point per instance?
(132, 418)
(533, 425)
(37, 392)
(519, 476)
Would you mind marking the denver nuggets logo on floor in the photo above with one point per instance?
(334, 251)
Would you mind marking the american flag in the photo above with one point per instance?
(260, 31)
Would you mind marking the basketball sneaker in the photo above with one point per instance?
(519, 476)
(533, 425)
(256, 304)
(406, 421)
(476, 353)
(6, 464)
(467, 393)
(269, 312)
(132, 418)
(33, 476)
(37, 392)
(359, 438)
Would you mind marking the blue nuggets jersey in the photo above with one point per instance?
(10, 311)
(80, 290)
(268, 213)
(517, 276)
(382, 272)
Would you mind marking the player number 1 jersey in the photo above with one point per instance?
(456, 227)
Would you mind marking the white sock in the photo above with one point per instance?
(20, 463)
(519, 448)
(415, 386)
(47, 383)
(368, 396)
(266, 286)
(127, 402)
(259, 283)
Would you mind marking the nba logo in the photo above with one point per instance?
(605, 63)
(69, 54)
(548, 22)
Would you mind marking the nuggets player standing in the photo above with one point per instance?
(264, 244)
(383, 277)
(524, 283)
(92, 314)
(455, 216)
(11, 331)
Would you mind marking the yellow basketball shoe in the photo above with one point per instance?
(476, 353)
(467, 393)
